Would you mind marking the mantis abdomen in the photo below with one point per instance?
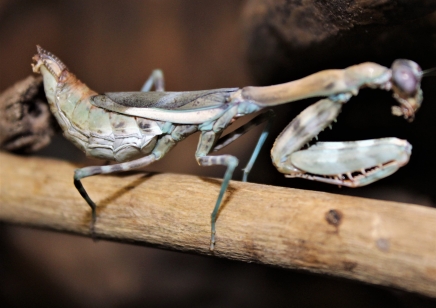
(96, 131)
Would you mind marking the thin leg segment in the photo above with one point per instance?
(260, 142)
(229, 138)
(162, 147)
(157, 79)
(95, 170)
(207, 141)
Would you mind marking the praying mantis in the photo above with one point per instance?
(136, 129)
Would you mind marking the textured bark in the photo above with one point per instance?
(378, 242)
(26, 124)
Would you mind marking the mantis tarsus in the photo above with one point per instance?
(138, 128)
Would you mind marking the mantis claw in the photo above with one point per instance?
(352, 164)
(355, 163)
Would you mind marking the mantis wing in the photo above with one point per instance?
(194, 107)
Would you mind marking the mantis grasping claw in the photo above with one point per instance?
(138, 128)
(354, 163)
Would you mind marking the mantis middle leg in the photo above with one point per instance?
(230, 137)
(157, 79)
(210, 141)
(205, 146)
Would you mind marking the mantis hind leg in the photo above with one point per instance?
(79, 174)
(163, 145)
(157, 79)
(205, 145)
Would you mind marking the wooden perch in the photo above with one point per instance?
(378, 242)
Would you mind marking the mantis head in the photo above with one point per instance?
(406, 84)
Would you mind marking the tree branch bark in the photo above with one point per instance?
(378, 242)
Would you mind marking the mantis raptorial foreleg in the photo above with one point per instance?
(306, 126)
(353, 163)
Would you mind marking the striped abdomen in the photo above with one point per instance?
(97, 132)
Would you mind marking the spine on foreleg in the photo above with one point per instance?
(306, 126)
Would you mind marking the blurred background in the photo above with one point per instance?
(114, 46)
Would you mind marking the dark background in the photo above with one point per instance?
(113, 46)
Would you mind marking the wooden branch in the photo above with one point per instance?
(378, 242)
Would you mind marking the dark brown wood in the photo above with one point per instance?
(26, 124)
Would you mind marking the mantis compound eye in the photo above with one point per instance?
(406, 76)
(406, 84)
